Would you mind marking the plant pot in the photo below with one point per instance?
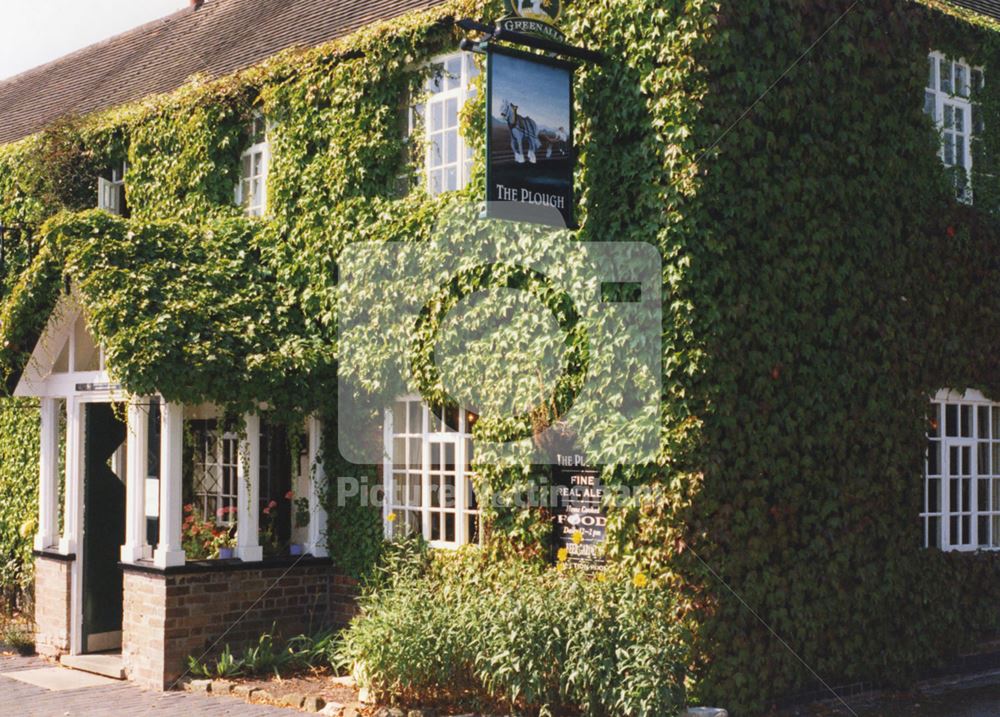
(226, 553)
(295, 549)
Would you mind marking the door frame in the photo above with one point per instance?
(75, 472)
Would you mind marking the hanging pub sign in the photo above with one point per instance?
(580, 520)
(533, 17)
(529, 141)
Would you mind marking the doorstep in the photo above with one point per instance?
(108, 664)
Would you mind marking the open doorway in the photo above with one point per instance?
(103, 525)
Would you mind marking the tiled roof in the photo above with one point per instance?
(215, 39)
(990, 8)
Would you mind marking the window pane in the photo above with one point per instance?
(945, 76)
(415, 490)
(932, 72)
(399, 452)
(966, 414)
(451, 147)
(934, 532)
(983, 467)
(929, 104)
(933, 458)
(983, 421)
(934, 495)
(416, 456)
(451, 113)
(416, 420)
(961, 80)
(434, 151)
(437, 117)
(951, 419)
(453, 69)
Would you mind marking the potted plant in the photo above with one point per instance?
(225, 545)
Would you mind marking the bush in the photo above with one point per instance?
(267, 656)
(521, 636)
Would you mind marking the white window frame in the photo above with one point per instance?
(254, 203)
(111, 193)
(409, 511)
(947, 95)
(446, 92)
(961, 502)
(220, 465)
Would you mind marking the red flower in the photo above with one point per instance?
(288, 495)
(950, 231)
(273, 504)
(267, 510)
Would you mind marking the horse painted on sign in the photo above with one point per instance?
(536, 8)
(523, 134)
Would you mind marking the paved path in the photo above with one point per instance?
(19, 699)
(964, 696)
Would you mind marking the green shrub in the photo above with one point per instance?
(268, 656)
(522, 636)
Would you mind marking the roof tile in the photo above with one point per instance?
(220, 37)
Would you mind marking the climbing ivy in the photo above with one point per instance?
(820, 281)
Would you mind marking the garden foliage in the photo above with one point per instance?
(511, 633)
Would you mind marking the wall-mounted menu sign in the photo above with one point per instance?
(580, 520)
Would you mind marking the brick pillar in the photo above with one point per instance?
(52, 605)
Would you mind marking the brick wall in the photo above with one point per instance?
(52, 605)
(169, 616)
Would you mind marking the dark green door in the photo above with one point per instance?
(103, 527)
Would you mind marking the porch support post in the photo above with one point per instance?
(169, 552)
(248, 548)
(48, 476)
(137, 447)
(73, 490)
(317, 489)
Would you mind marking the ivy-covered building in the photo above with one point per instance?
(820, 182)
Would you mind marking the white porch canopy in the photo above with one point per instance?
(68, 366)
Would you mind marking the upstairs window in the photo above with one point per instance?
(251, 192)
(111, 190)
(448, 160)
(951, 86)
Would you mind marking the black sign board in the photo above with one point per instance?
(580, 521)
(530, 157)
